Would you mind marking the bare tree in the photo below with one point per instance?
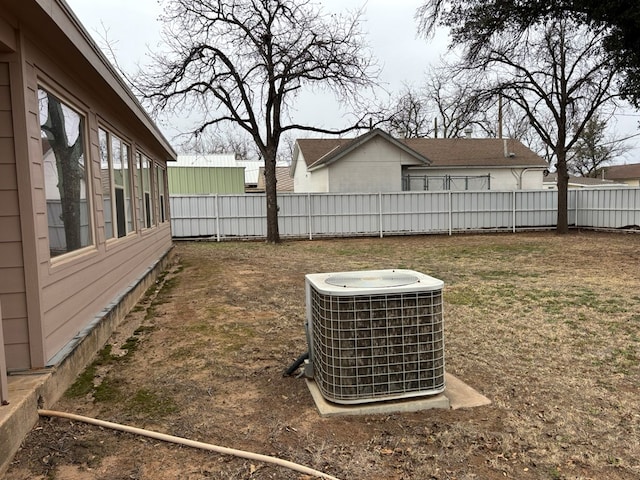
(458, 103)
(594, 149)
(222, 140)
(411, 115)
(244, 61)
(447, 105)
(558, 75)
(476, 22)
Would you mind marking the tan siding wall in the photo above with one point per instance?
(12, 284)
(77, 287)
(89, 290)
(44, 303)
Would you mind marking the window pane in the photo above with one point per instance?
(146, 191)
(128, 185)
(123, 187)
(105, 175)
(116, 155)
(62, 134)
(161, 195)
(141, 216)
(120, 212)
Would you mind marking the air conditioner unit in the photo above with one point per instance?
(375, 335)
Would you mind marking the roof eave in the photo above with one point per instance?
(530, 166)
(337, 153)
(99, 62)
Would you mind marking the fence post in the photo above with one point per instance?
(4, 387)
(309, 216)
(514, 211)
(217, 210)
(380, 213)
(578, 199)
(450, 212)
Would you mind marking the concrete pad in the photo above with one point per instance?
(456, 395)
(461, 395)
(19, 416)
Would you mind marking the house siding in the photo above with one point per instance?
(631, 183)
(501, 178)
(46, 302)
(373, 167)
(76, 288)
(12, 282)
(108, 276)
(303, 181)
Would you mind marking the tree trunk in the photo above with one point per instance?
(563, 188)
(273, 234)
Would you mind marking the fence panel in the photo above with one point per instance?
(293, 214)
(345, 214)
(415, 212)
(242, 215)
(481, 210)
(537, 208)
(194, 216)
(325, 214)
(610, 208)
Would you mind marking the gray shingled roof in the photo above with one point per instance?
(622, 172)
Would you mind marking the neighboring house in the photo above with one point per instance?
(378, 162)
(84, 216)
(284, 182)
(629, 174)
(204, 175)
(223, 170)
(551, 182)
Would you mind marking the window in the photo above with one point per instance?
(146, 175)
(161, 195)
(66, 186)
(122, 185)
(105, 175)
(117, 185)
(139, 193)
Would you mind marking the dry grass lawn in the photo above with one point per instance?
(546, 326)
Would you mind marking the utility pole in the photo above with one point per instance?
(500, 115)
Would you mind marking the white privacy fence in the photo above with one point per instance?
(311, 215)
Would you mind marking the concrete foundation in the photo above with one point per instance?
(29, 391)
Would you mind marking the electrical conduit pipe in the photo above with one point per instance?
(189, 443)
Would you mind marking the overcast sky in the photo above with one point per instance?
(132, 28)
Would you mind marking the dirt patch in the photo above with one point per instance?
(546, 326)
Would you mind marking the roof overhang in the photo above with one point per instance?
(55, 18)
(341, 151)
(481, 167)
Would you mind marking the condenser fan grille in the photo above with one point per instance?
(376, 347)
